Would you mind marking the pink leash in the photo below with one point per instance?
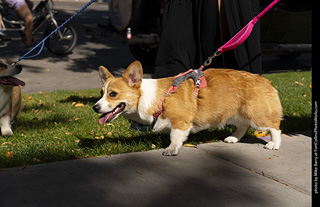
(234, 42)
(241, 36)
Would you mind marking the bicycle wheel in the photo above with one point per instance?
(64, 44)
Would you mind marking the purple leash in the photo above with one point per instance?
(241, 36)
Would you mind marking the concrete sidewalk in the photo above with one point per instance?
(216, 174)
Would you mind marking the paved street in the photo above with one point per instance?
(217, 174)
(51, 72)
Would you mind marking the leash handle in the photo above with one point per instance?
(241, 36)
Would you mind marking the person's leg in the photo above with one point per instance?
(26, 15)
(208, 32)
(177, 47)
(238, 13)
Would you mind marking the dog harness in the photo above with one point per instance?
(199, 81)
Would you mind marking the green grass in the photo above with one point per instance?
(295, 91)
(61, 125)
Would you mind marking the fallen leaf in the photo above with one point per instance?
(261, 133)
(6, 143)
(153, 146)
(9, 154)
(310, 86)
(47, 69)
(190, 145)
(36, 160)
(299, 83)
(75, 104)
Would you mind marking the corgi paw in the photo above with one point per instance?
(171, 151)
(6, 132)
(231, 139)
(271, 146)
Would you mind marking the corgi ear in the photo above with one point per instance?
(133, 74)
(104, 74)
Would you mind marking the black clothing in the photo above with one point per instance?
(191, 33)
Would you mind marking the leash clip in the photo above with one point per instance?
(209, 60)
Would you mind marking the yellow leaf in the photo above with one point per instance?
(6, 143)
(9, 154)
(153, 146)
(190, 145)
(299, 83)
(261, 133)
(75, 104)
(47, 69)
(310, 86)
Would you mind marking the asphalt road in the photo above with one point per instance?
(78, 70)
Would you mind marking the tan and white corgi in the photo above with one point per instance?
(231, 97)
(10, 96)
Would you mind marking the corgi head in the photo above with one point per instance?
(6, 73)
(119, 95)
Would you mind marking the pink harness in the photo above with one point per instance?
(197, 74)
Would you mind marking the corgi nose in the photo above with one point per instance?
(96, 108)
(19, 68)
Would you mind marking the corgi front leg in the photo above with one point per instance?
(177, 138)
(5, 125)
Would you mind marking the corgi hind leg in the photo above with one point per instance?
(275, 142)
(238, 134)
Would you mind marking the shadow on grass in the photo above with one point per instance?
(162, 140)
(85, 100)
(291, 124)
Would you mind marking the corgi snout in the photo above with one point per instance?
(96, 108)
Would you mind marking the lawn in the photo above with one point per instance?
(61, 125)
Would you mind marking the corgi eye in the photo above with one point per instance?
(113, 94)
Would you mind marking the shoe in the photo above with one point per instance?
(135, 126)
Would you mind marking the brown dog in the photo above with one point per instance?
(10, 96)
(231, 97)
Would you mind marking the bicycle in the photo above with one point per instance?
(60, 43)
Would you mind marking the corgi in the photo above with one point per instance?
(10, 96)
(231, 97)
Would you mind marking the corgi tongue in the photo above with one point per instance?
(12, 81)
(108, 117)
(105, 117)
